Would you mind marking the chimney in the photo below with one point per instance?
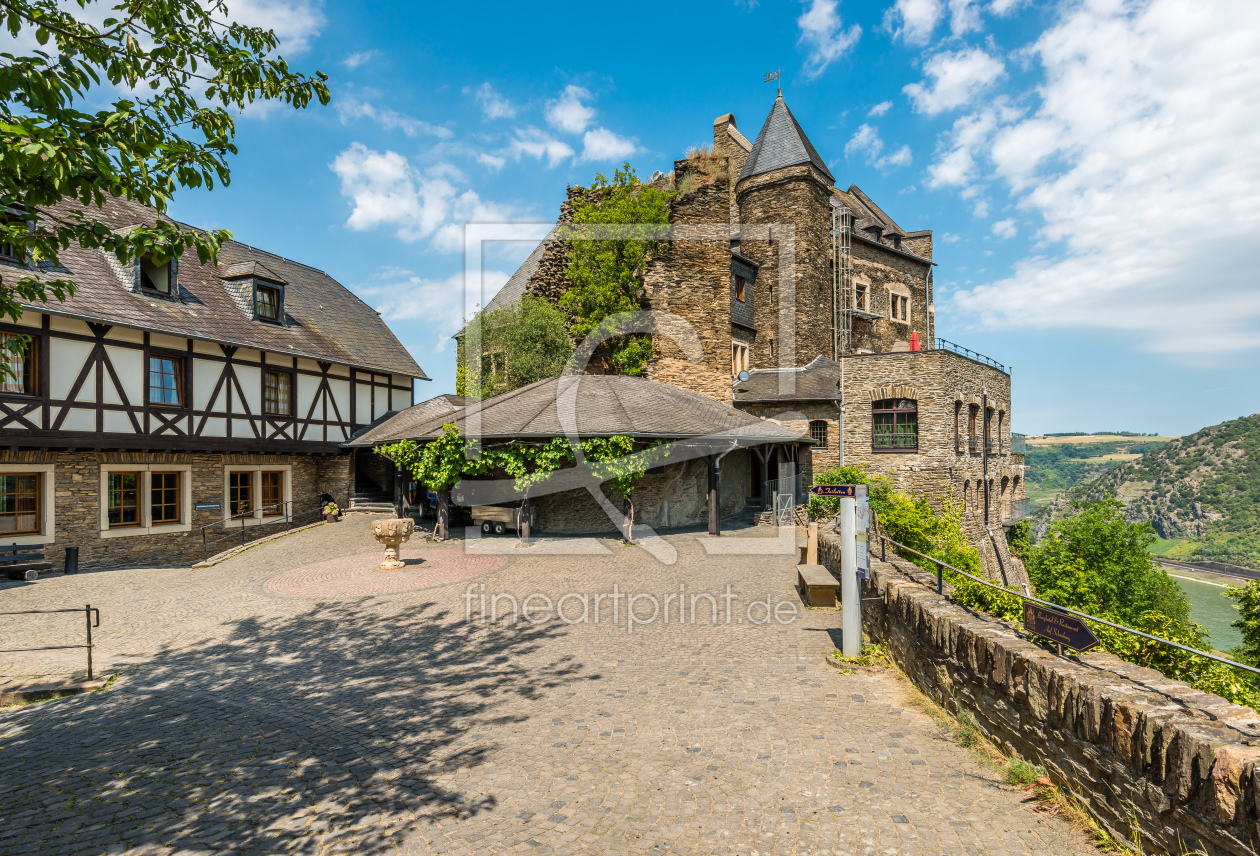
(720, 139)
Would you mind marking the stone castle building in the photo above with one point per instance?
(163, 407)
(812, 307)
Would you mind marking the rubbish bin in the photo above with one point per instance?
(72, 560)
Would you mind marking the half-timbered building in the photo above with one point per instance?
(160, 400)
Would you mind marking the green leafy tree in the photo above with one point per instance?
(606, 275)
(1097, 562)
(185, 69)
(1248, 623)
(1019, 537)
(437, 465)
(520, 344)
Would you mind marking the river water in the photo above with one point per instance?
(1213, 611)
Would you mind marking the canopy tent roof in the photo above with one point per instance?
(590, 406)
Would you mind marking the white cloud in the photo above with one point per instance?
(361, 58)
(538, 143)
(493, 161)
(867, 143)
(1139, 160)
(296, 22)
(567, 113)
(1002, 7)
(401, 295)
(602, 144)
(880, 109)
(964, 16)
(1005, 228)
(494, 105)
(913, 21)
(956, 167)
(387, 190)
(956, 78)
(351, 109)
(823, 33)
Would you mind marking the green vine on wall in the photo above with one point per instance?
(606, 274)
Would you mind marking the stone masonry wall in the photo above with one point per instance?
(942, 383)
(677, 497)
(77, 490)
(796, 197)
(1147, 754)
(885, 272)
(691, 282)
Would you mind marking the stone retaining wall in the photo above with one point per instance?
(1149, 755)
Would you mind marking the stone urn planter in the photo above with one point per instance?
(392, 533)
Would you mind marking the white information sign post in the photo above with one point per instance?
(850, 591)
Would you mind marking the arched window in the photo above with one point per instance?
(818, 432)
(895, 425)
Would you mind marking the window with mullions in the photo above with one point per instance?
(19, 504)
(272, 494)
(124, 500)
(895, 424)
(277, 393)
(21, 375)
(166, 380)
(818, 432)
(164, 498)
(241, 494)
(267, 303)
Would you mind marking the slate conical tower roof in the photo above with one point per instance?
(782, 143)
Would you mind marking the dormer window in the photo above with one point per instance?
(268, 303)
(155, 277)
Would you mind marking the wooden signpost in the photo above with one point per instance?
(1058, 627)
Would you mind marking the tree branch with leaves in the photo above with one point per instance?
(178, 71)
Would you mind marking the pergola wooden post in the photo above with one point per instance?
(715, 525)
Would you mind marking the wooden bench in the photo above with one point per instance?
(817, 586)
(23, 562)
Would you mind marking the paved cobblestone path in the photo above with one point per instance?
(252, 721)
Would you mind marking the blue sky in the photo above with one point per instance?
(1091, 169)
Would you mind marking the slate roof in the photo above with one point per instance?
(594, 406)
(511, 292)
(782, 143)
(326, 321)
(401, 421)
(818, 381)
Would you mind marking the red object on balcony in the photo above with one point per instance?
(914, 340)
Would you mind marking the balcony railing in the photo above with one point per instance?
(1017, 510)
(1019, 444)
(946, 345)
(973, 444)
(902, 441)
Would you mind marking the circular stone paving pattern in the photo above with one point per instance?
(352, 576)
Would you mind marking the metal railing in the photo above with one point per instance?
(947, 345)
(784, 495)
(1019, 444)
(234, 528)
(901, 440)
(940, 589)
(87, 611)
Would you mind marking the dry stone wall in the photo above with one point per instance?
(1149, 755)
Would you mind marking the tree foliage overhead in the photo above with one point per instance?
(520, 344)
(176, 71)
(606, 274)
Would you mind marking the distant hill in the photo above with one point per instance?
(1056, 462)
(1202, 491)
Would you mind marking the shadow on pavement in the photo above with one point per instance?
(324, 732)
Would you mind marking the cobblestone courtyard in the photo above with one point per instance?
(270, 706)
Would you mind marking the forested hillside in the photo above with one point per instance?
(1203, 489)
(1053, 467)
